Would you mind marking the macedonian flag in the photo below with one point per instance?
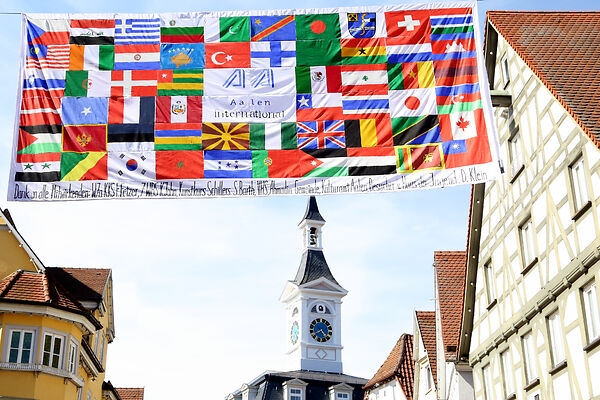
(225, 136)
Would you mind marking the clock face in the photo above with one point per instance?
(320, 330)
(295, 332)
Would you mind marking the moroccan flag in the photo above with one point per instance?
(225, 136)
(87, 84)
(363, 51)
(422, 158)
(412, 75)
(228, 55)
(273, 136)
(92, 32)
(179, 165)
(458, 98)
(372, 132)
(83, 166)
(188, 82)
(318, 79)
(318, 52)
(317, 27)
(91, 58)
(275, 164)
(364, 78)
(84, 138)
(416, 130)
(178, 136)
(456, 71)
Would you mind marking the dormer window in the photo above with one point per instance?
(294, 389)
(341, 391)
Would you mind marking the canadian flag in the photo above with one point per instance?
(462, 125)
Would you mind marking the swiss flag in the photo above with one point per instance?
(413, 26)
(228, 55)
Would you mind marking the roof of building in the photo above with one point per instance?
(130, 393)
(42, 288)
(450, 270)
(83, 283)
(312, 210)
(270, 384)
(312, 267)
(562, 49)
(399, 365)
(6, 219)
(426, 322)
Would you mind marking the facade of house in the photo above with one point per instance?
(531, 320)
(394, 379)
(313, 302)
(425, 356)
(55, 326)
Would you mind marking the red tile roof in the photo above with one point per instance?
(562, 49)
(44, 288)
(399, 365)
(450, 269)
(131, 393)
(83, 283)
(426, 322)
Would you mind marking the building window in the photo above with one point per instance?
(21, 346)
(73, 357)
(507, 376)
(557, 348)
(429, 378)
(505, 70)
(80, 393)
(578, 180)
(592, 317)
(52, 352)
(527, 243)
(490, 283)
(531, 372)
(295, 394)
(342, 396)
(487, 382)
(101, 353)
(515, 153)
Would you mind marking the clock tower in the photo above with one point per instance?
(313, 304)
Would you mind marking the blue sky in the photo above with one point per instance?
(197, 282)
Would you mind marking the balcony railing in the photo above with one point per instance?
(63, 373)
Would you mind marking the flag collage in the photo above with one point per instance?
(295, 95)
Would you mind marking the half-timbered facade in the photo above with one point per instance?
(531, 325)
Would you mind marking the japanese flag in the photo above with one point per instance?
(413, 102)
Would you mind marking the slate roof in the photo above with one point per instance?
(399, 365)
(312, 267)
(426, 322)
(562, 49)
(270, 384)
(450, 269)
(130, 393)
(42, 288)
(312, 210)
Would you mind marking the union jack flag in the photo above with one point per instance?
(321, 135)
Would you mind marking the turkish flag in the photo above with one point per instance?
(227, 55)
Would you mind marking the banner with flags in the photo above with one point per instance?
(252, 103)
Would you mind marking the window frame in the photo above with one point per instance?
(488, 384)
(555, 338)
(515, 153)
(579, 186)
(529, 358)
(590, 310)
(507, 377)
(490, 283)
(528, 245)
(20, 347)
(73, 357)
(295, 393)
(52, 353)
(505, 70)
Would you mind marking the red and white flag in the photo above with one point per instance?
(228, 55)
(372, 78)
(179, 109)
(51, 56)
(462, 125)
(133, 83)
(43, 110)
(124, 110)
(412, 25)
(413, 102)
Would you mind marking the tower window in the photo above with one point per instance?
(320, 309)
(313, 236)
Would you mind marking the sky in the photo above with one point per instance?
(197, 282)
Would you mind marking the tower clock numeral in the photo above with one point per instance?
(320, 330)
